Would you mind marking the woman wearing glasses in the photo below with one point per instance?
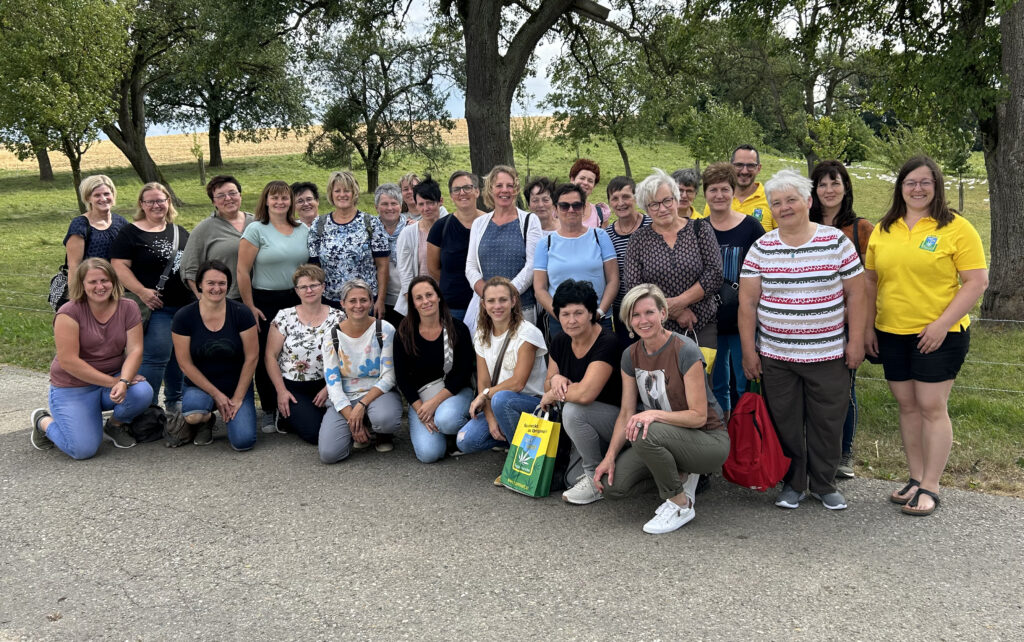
(680, 256)
(926, 269)
(147, 256)
(294, 360)
(577, 252)
(217, 236)
(503, 242)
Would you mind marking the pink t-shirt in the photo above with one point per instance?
(101, 345)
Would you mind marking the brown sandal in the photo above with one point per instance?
(910, 508)
(896, 499)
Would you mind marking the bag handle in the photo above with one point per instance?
(754, 386)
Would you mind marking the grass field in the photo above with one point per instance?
(988, 453)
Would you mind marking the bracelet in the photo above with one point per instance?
(365, 407)
(125, 382)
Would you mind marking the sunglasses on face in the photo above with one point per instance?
(576, 206)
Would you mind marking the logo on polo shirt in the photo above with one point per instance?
(929, 243)
(757, 213)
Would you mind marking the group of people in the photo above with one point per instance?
(598, 309)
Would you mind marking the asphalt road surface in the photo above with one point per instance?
(204, 543)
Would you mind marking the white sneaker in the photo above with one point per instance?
(690, 486)
(669, 517)
(583, 492)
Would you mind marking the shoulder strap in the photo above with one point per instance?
(368, 224)
(856, 237)
(170, 262)
(596, 239)
(496, 372)
(600, 214)
(549, 242)
(321, 221)
(378, 330)
(526, 226)
(334, 340)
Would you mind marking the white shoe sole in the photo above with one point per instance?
(674, 526)
(107, 437)
(576, 502)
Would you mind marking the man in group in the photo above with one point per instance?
(749, 198)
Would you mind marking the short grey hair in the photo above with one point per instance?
(785, 180)
(387, 189)
(648, 187)
(689, 177)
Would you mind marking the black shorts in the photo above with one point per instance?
(902, 361)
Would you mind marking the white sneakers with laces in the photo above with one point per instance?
(583, 492)
(669, 517)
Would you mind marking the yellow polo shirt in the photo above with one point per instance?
(918, 269)
(694, 214)
(755, 205)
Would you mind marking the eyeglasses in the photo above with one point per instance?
(926, 183)
(305, 201)
(576, 206)
(225, 195)
(154, 202)
(666, 203)
(750, 166)
(463, 189)
(309, 288)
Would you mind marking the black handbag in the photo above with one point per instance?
(58, 295)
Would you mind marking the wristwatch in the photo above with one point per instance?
(487, 394)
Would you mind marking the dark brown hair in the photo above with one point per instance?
(833, 169)
(410, 325)
(263, 212)
(939, 208)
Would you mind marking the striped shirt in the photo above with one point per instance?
(800, 314)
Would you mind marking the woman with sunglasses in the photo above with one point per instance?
(577, 252)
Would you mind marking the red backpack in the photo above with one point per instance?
(755, 458)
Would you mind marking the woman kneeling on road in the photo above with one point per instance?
(217, 348)
(581, 374)
(679, 433)
(99, 349)
(360, 371)
(510, 369)
(433, 365)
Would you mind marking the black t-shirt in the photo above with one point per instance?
(218, 355)
(414, 372)
(453, 238)
(149, 253)
(606, 348)
(735, 243)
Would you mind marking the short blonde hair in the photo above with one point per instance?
(141, 214)
(90, 183)
(493, 176)
(347, 180)
(635, 294)
(76, 284)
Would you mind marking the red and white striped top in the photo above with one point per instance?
(800, 314)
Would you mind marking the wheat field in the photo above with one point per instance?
(176, 148)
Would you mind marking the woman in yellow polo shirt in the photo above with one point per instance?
(926, 269)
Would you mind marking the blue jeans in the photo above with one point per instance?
(728, 364)
(241, 429)
(850, 424)
(451, 415)
(158, 362)
(506, 406)
(77, 427)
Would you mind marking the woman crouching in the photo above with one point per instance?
(679, 434)
(99, 349)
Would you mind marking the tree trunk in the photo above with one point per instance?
(372, 176)
(216, 160)
(43, 158)
(128, 132)
(1003, 138)
(492, 78)
(625, 157)
(73, 153)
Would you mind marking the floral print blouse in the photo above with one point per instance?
(363, 363)
(347, 251)
(301, 358)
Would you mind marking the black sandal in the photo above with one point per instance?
(903, 491)
(910, 508)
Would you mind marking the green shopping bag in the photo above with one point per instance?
(531, 456)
